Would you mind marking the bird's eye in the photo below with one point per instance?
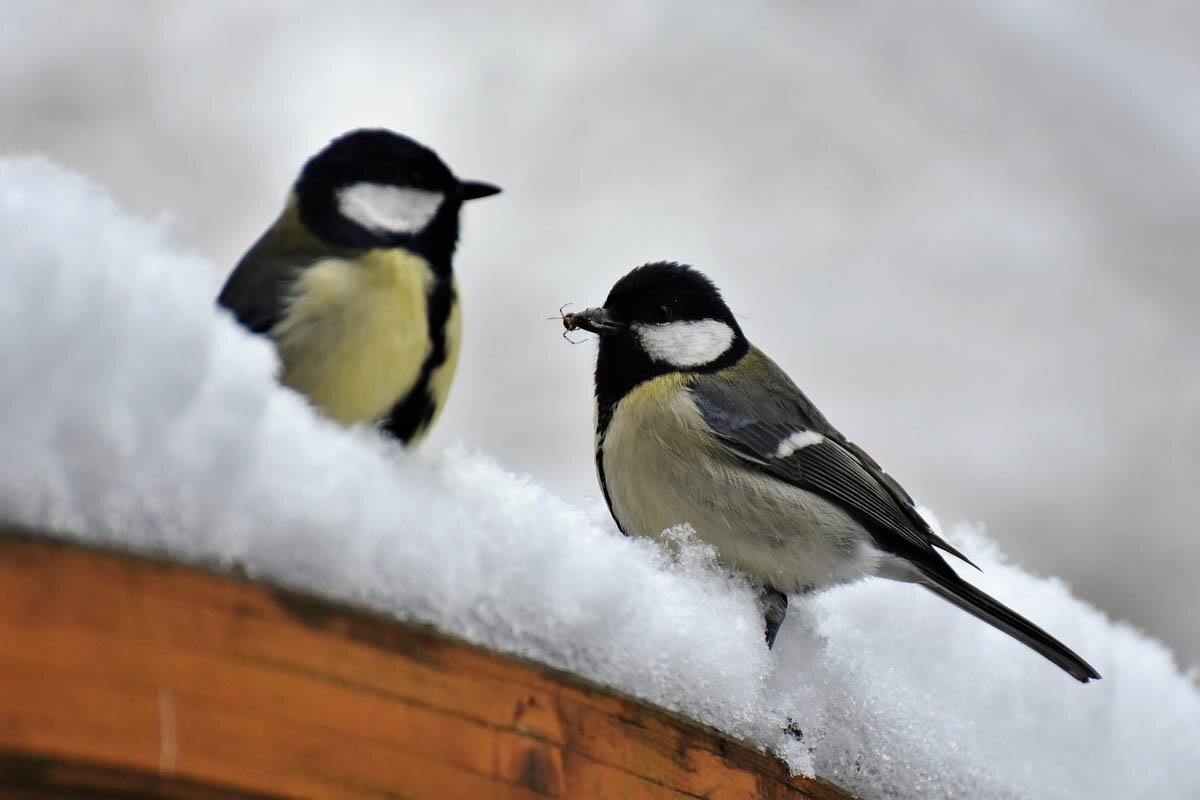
(660, 315)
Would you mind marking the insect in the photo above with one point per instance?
(568, 321)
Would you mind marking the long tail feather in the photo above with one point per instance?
(975, 602)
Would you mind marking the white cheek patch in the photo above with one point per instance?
(797, 441)
(381, 208)
(687, 343)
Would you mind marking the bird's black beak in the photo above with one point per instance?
(473, 190)
(594, 320)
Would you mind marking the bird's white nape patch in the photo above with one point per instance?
(685, 343)
(797, 441)
(382, 208)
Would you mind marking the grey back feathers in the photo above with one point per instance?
(767, 422)
(807, 453)
(257, 290)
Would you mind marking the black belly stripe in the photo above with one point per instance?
(605, 417)
(413, 413)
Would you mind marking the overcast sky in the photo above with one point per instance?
(968, 231)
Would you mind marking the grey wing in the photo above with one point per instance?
(257, 290)
(785, 437)
(772, 427)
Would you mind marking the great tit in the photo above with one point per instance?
(696, 425)
(354, 282)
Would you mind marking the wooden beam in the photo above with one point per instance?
(125, 676)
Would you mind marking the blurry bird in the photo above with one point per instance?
(354, 282)
(696, 425)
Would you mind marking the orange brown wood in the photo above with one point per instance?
(127, 677)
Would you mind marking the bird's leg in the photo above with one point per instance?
(774, 609)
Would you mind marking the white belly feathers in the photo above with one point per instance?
(783, 536)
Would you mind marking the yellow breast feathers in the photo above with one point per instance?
(355, 333)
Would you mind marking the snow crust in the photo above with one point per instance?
(134, 413)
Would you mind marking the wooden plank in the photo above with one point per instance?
(37, 778)
(189, 681)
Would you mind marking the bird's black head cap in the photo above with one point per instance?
(666, 291)
(660, 318)
(383, 160)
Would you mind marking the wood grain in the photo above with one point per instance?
(128, 677)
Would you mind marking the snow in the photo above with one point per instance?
(134, 413)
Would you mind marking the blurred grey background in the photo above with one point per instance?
(968, 230)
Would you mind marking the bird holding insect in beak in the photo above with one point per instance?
(354, 282)
(695, 425)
